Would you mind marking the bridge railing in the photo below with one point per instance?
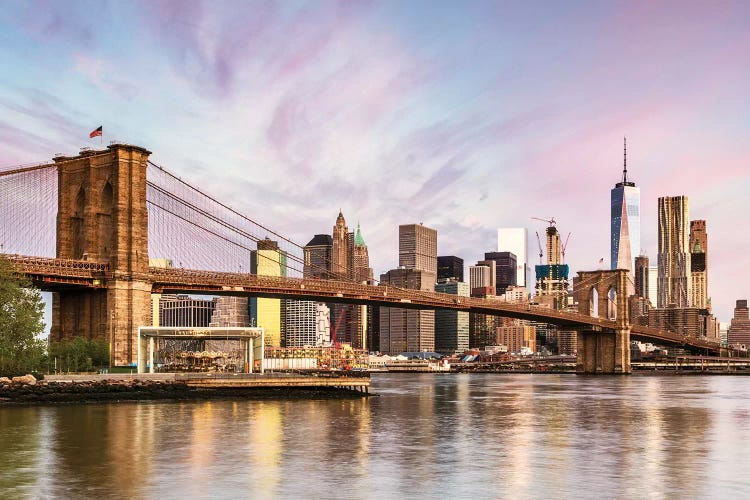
(59, 267)
(391, 296)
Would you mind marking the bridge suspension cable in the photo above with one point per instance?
(199, 204)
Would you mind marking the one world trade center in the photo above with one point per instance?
(626, 220)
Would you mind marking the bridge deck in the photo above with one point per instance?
(51, 274)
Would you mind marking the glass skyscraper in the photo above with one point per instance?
(625, 222)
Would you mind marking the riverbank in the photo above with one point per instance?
(111, 388)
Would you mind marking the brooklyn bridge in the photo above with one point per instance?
(83, 227)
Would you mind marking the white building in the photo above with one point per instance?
(308, 323)
(513, 239)
(653, 284)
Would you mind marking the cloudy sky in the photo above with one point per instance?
(467, 116)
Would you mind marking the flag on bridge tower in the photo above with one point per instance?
(96, 132)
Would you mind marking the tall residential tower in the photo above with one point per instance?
(674, 285)
(699, 265)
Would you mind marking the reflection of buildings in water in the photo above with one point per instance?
(82, 439)
(266, 447)
(684, 431)
(645, 432)
(202, 437)
(129, 430)
(554, 408)
(21, 431)
(517, 468)
(45, 456)
(653, 455)
(357, 411)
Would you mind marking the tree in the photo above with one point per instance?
(80, 354)
(21, 310)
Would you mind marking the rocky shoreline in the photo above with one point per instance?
(25, 390)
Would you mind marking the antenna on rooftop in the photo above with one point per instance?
(624, 160)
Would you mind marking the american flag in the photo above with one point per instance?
(96, 132)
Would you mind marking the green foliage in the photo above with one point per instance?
(21, 311)
(79, 355)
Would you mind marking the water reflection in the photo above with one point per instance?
(423, 436)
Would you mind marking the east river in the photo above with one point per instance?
(423, 436)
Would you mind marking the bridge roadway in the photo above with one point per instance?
(56, 274)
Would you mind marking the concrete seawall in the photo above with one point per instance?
(122, 387)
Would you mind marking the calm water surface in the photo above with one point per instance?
(459, 436)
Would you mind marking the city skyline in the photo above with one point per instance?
(464, 120)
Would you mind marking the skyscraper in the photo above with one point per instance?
(450, 266)
(641, 276)
(482, 278)
(653, 285)
(674, 285)
(361, 259)
(625, 221)
(268, 260)
(505, 269)
(407, 329)
(739, 329)
(307, 323)
(417, 247)
(340, 257)
(552, 278)
(699, 264)
(417, 258)
(452, 327)
(554, 249)
(358, 325)
(513, 239)
(351, 319)
(318, 256)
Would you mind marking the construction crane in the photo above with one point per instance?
(539, 241)
(334, 342)
(551, 221)
(343, 352)
(564, 246)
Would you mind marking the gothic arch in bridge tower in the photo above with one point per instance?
(78, 224)
(612, 303)
(603, 294)
(104, 222)
(593, 302)
(604, 348)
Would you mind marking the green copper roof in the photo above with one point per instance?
(358, 239)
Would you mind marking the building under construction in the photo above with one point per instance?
(552, 277)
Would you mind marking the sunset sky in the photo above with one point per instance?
(467, 116)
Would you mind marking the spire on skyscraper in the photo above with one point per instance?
(625, 181)
(624, 160)
(358, 239)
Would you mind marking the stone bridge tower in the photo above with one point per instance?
(604, 294)
(102, 217)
